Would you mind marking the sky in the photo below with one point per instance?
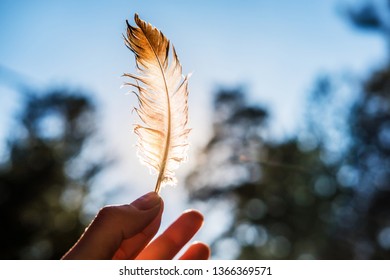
(273, 49)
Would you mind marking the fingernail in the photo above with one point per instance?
(147, 201)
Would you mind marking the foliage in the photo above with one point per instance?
(45, 179)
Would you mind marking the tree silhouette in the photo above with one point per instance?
(45, 179)
(283, 194)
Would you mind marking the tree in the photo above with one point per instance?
(282, 194)
(45, 180)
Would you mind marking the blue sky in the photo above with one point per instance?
(275, 49)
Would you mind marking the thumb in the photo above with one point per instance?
(112, 225)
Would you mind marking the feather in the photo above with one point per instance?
(162, 93)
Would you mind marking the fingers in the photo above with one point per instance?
(175, 237)
(112, 225)
(197, 251)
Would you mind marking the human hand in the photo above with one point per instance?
(124, 232)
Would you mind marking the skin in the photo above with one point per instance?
(125, 232)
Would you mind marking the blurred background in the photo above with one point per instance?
(289, 105)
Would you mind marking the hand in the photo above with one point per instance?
(124, 232)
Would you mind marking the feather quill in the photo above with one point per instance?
(162, 93)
